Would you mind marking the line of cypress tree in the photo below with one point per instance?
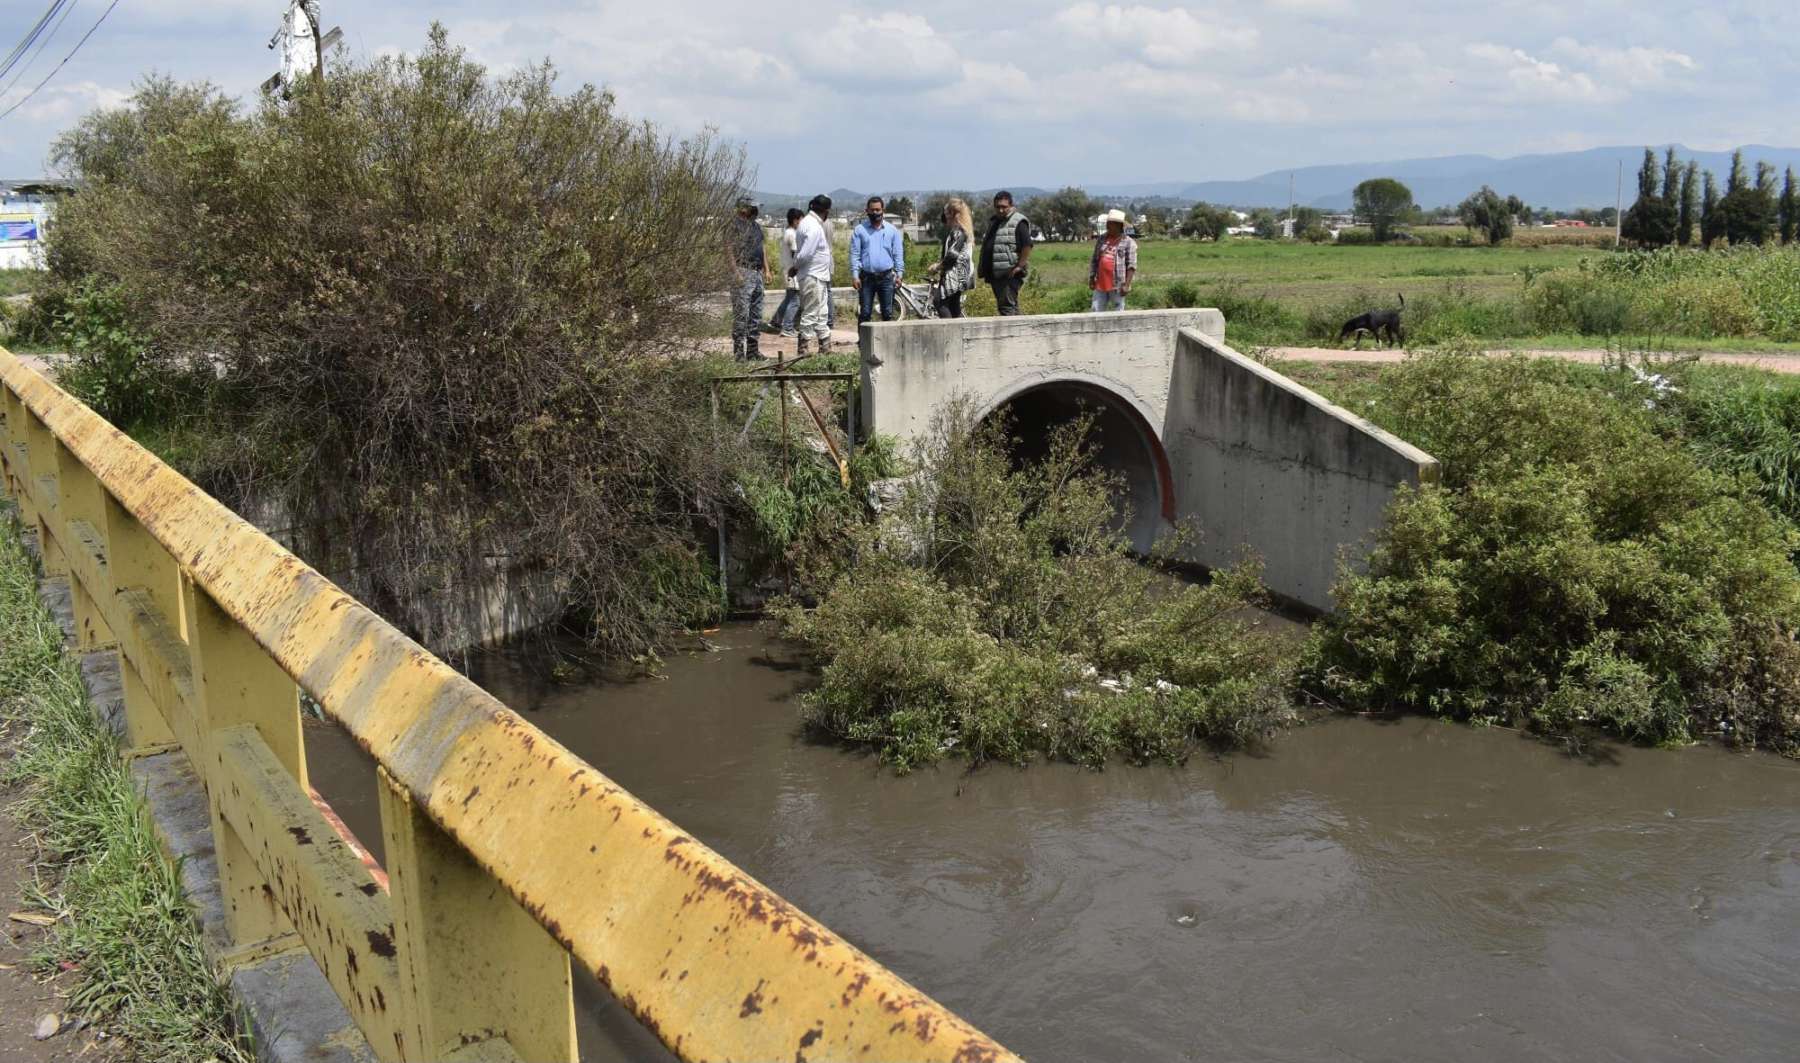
(1711, 224)
(1689, 210)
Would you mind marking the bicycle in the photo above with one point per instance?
(916, 300)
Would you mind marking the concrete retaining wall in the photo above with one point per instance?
(1260, 461)
(912, 368)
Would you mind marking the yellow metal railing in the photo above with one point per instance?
(506, 854)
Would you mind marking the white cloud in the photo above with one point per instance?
(1628, 67)
(63, 102)
(1531, 78)
(887, 51)
(1161, 37)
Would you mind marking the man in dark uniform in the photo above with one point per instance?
(749, 271)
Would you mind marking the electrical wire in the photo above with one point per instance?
(25, 67)
(65, 60)
(31, 35)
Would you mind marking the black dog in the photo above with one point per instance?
(1376, 323)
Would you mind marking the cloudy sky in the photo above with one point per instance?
(936, 93)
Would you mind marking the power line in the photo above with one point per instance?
(65, 60)
(12, 57)
(25, 67)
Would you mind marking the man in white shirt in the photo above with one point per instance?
(812, 267)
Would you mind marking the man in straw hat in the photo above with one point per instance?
(1114, 264)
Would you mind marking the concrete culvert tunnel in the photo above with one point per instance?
(1125, 445)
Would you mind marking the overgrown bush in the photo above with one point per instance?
(995, 614)
(446, 315)
(1743, 424)
(1573, 566)
(110, 366)
(1746, 291)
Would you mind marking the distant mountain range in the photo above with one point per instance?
(1561, 180)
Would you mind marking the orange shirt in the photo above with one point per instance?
(1104, 279)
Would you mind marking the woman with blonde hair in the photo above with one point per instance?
(954, 273)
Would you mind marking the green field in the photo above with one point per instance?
(1302, 273)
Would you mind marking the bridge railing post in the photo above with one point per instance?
(84, 517)
(476, 968)
(17, 445)
(236, 683)
(40, 445)
(145, 580)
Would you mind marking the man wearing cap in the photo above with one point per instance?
(1113, 266)
(749, 271)
(812, 268)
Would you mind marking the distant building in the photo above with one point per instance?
(26, 210)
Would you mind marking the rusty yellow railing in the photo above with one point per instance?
(505, 852)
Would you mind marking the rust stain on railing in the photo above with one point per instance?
(710, 960)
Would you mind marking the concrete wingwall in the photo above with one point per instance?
(1263, 463)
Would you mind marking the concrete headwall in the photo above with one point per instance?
(911, 368)
(1261, 462)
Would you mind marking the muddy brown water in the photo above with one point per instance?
(1358, 890)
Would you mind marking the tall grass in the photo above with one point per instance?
(124, 927)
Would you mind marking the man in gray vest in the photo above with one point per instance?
(1005, 252)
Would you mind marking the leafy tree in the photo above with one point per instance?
(1671, 178)
(903, 206)
(1267, 223)
(1712, 223)
(1067, 214)
(1651, 220)
(932, 214)
(1206, 222)
(1309, 223)
(428, 401)
(1750, 210)
(1789, 212)
(1738, 178)
(1486, 211)
(1382, 202)
(1688, 211)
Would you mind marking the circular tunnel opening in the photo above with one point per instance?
(1124, 444)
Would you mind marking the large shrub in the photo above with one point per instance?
(1572, 567)
(995, 614)
(442, 311)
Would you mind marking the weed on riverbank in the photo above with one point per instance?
(995, 614)
(124, 930)
(1578, 565)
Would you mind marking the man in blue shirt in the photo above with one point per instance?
(877, 261)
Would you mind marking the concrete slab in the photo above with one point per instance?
(294, 1014)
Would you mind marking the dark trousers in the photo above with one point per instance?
(746, 312)
(1006, 295)
(950, 305)
(874, 284)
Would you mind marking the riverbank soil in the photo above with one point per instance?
(25, 1000)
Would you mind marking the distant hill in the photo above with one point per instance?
(1561, 180)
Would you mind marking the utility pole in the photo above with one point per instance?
(302, 47)
(1290, 224)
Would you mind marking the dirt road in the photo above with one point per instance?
(1779, 363)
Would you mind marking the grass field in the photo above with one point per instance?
(1311, 274)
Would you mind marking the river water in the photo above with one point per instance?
(1359, 889)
